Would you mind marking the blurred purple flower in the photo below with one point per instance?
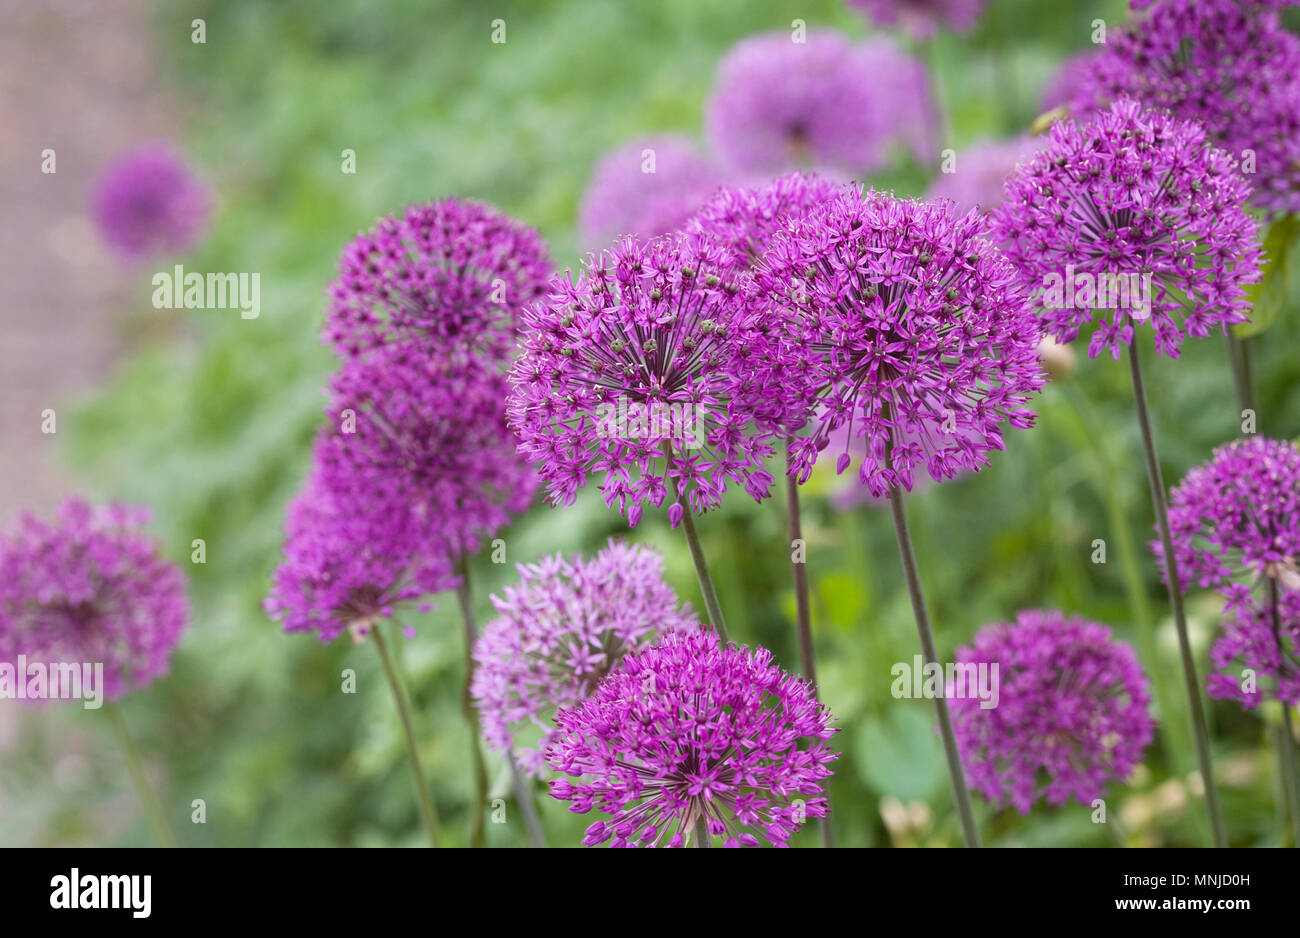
(646, 188)
(451, 274)
(559, 632)
(905, 324)
(1072, 707)
(921, 19)
(822, 104)
(148, 202)
(689, 730)
(1065, 84)
(90, 587)
(635, 355)
(980, 174)
(1137, 206)
(1232, 68)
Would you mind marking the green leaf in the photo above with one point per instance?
(901, 754)
(1268, 296)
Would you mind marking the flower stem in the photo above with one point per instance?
(711, 604)
(960, 793)
(152, 808)
(523, 795)
(1287, 745)
(1239, 359)
(477, 835)
(422, 797)
(803, 614)
(1174, 585)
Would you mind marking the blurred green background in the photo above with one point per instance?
(211, 424)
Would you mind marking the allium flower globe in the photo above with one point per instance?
(559, 633)
(90, 586)
(635, 360)
(745, 221)
(922, 18)
(1140, 195)
(1258, 655)
(980, 174)
(451, 275)
(646, 188)
(1230, 67)
(688, 730)
(148, 203)
(824, 103)
(1072, 711)
(418, 443)
(907, 326)
(1238, 516)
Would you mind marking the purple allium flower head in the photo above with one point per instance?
(148, 202)
(906, 324)
(922, 18)
(345, 569)
(1230, 67)
(643, 353)
(90, 587)
(1065, 84)
(823, 104)
(1135, 205)
(1261, 634)
(646, 188)
(688, 730)
(1072, 704)
(422, 443)
(451, 274)
(559, 632)
(980, 174)
(1238, 516)
(744, 221)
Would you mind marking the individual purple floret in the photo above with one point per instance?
(980, 173)
(825, 104)
(688, 730)
(905, 324)
(921, 19)
(745, 221)
(646, 188)
(1071, 716)
(1131, 219)
(89, 588)
(451, 275)
(631, 371)
(559, 633)
(1230, 67)
(148, 203)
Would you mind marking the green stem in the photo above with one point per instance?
(1190, 680)
(803, 614)
(477, 835)
(422, 797)
(152, 808)
(960, 793)
(1287, 750)
(1239, 359)
(711, 604)
(524, 796)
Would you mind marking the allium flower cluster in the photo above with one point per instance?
(689, 731)
(823, 103)
(907, 326)
(746, 221)
(1072, 707)
(1131, 218)
(451, 275)
(980, 174)
(148, 202)
(90, 587)
(922, 18)
(1231, 67)
(559, 633)
(634, 370)
(1258, 654)
(646, 188)
(1237, 517)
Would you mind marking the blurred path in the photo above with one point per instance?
(79, 77)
